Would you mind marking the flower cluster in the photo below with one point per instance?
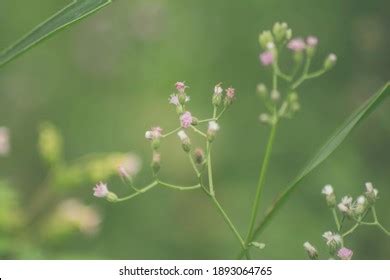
(303, 50)
(353, 211)
(221, 100)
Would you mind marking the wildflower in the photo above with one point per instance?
(100, 190)
(333, 240)
(345, 206)
(330, 61)
(180, 86)
(312, 41)
(371, 193)
(4, 141)
(345, 253)
(230, 94)
(359, 206)
(217, 96)
(129, 167)
(199, 156)
(185, 141)
(311, 250)
(329, 195)
(156, 162)
(264, 118)
(154, 135)
(212, 130)
(296, 45)
(186, 119)
(266, 58)
(174, 100)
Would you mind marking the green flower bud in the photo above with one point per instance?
(280, 30)
(112, 197)
(199, 156)
(264, 38)
(262, 90)
(156, 162)
(330, 61)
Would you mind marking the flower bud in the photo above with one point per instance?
(329, 195)
(199, 156)
(217, 96)
(185, 141)
(212, 130)
(230, 95)
(345, 206)
(293, 97)
(186, 119)
(112, 197)
(264, 118)
(345, 253)
(330, 61)
(257, 245)
(311, 250)
(156, 162)
(267, 58)
(360, 206)
(311, 43)
(280, 30)
(180, 86)
(275, 95)
(262, 90)
(183, 98)
(371, 193)
(264, 38)
(154, 135)
(334, 241)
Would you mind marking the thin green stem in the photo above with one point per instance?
(221, 113)
(304, 74)
(352, 229)
(140, 191)
(198, 131)
(263, 171)
(171, 132)
(336, 219)
(206, 120)
(209, 168)
(194, 165)
(228, 221)
(180, 188)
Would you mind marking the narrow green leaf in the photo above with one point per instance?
(330, 146)
(75, 11)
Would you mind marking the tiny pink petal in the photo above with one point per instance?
(312, 41)
(345, 253)
(180, 86)
(100, 190)
(267, 58)
(186, 119)
(296, 45)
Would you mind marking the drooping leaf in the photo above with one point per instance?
(72, 13)
(325, 151)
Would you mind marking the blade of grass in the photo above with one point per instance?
(324, 152)
(72, 13)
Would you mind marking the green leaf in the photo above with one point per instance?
(330, 146)
(72, 13)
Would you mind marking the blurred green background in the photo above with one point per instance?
(106, 80)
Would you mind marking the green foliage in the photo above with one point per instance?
(72, 13)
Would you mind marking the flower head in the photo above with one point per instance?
(218, 90)
(199, 155)
(345, 253)
(371, 193)
(312, 41)
(230, 95)
(212, 130)
(327, 190)
(345, 206)
(329, 195)
(330, 61)
(100, 190)
(4, 141)
(180, 86)
(174, 99)
(217, 95)
(186, 119)
(185, 141)
(129, 167)
(154, 133)
(266, 58)
(332, 239)
(296, 45)
(311, 250)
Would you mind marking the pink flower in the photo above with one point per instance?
(267, 58)
(130, 166)
(312, 41)
(345, 253)
(230, 92)
(186, 119)
(180, 86)
(4, 141)
(154, 133)
(174, 100)
(100, 190)
(296, 45)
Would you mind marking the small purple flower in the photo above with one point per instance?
(154, 133)
(4, 141)
(267, 58)
(186, 119)
(345, 253)
(312, 41)
(296, 45)
(174, 100)
(180, 86)
(100, 190)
